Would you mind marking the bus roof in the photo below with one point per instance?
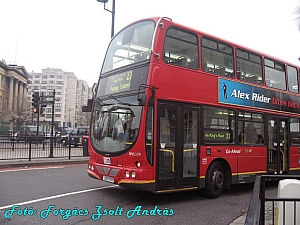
(200, 33)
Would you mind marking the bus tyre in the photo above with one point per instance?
(214, 180)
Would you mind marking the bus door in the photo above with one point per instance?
(278, 145)
(177, 147)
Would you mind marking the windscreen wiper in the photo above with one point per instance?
(102, 103)
(123, 103)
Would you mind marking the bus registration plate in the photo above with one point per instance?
(108, 179)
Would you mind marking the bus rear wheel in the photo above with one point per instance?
(214, 180)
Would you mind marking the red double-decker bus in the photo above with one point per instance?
(178, 109)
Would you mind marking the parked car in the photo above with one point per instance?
(30, 132)
(63, 133)
(12, 135)
(75, 137)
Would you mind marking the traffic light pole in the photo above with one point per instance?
(38, 123)
(52, 125)
(39, 102)
(36, 109)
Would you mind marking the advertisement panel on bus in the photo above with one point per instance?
(236, 93)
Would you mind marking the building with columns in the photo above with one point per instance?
(13, 96)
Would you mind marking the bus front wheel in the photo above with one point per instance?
(214, 180)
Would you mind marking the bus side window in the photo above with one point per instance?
(218, 57)
(275, 72)
(249, 66)
(181, 48)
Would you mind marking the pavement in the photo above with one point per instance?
(239, 220)
(24, 163)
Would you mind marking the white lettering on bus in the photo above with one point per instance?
(135, 153)
(239, 94)
(260, 98)
(255, 96)
(233, 151)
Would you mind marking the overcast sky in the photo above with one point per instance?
(73, 35)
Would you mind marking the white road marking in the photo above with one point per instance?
(32, 168)
(56, 196)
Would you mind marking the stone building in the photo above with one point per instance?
(13, 96)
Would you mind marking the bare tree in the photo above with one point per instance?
(15, 118)
(298, 16)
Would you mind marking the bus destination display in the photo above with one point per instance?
(119, 83)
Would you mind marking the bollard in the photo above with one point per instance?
(288, 212)
(85, 146)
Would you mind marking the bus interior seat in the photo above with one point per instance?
(240, 75)
(204, 66)
(138, 58)
(181, 62)
(220, 71)
(194, 64)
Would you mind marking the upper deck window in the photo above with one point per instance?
(130, 46)
(293, 79)
(249, 67)
(217, 57)
(275, 74)
(181, 48)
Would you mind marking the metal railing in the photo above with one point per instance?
(41, 147)
(262, 209)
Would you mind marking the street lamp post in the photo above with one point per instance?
(70, 109)
(112, 11)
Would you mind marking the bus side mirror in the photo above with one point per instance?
(88, 107)
(142, 99)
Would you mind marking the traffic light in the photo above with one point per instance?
(35, 101)
(43, 106)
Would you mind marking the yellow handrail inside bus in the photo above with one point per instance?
(172, 153)
(283, 160)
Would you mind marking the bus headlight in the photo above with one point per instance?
(127, 174)
(133, 174)
(91, 166)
